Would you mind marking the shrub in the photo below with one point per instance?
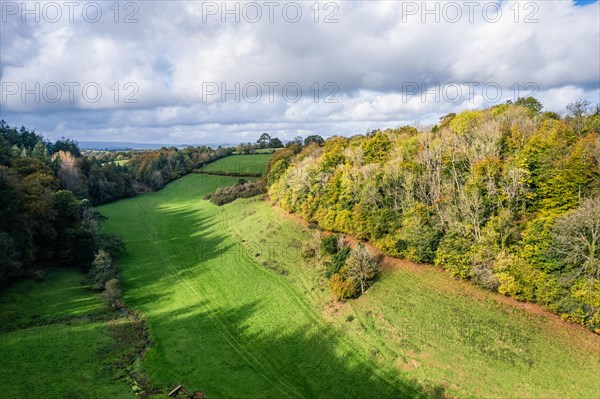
(454, 255)
(342, 288)
(311, 247)
(329, 244)
(112, 294)
(111, 244)
(102, 270)
(337, 261)
(243, 189)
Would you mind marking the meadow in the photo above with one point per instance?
(234, 311)
(253, 165)
(57, 341)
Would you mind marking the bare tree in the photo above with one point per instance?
(577, 112)
(70, 174)
(577, 235)
(363, 266)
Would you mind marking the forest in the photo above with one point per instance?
(507, 197)
(49, 189)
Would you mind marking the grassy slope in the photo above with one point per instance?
(226, 319)
(250, 164)
(221, 323)
(433, 328)
(51, 347)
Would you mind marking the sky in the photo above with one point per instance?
(199, 72)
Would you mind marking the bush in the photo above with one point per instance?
(329, 244)
(225, 195)
(112, 294)
(102, 270)
(337, 262)
(342, 288)
(111, 244)
(311, 247)
(454, 255)
(420, 242)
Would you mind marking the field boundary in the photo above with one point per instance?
(230, 174)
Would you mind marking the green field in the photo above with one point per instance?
(235, 312)
(56, 341)
(240, 164)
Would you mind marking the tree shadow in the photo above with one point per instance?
(246, 348)
(226, 354)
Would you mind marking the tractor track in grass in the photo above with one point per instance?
(266, 333)
(307, 309)
(197, 294)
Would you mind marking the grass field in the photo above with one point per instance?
(234, 311)
(56, 341)
(240, 164)
(435, 329)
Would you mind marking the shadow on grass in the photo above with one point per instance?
(247, 349)
(226, 353)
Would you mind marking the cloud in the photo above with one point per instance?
(181, 74)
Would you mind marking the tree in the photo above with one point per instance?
(530, 103)
(5, 150)
(446, 119)
(363, 266)
(263, 141)
(577, 236)
(580, 107)
(68, 145)
(9, 262)
(314, 139)
(577, 113)
(342, 288)
(297, 140)
(377, 148)
(112, 294)
(275, 143)
(70, 174)
(102, 270)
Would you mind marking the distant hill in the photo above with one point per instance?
(117, 145)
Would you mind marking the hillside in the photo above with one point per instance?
(506, 197)
(226, 289)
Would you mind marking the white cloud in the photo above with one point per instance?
(370, 54)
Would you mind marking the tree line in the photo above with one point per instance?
(48, 191)
(42, 221)
(507, 197)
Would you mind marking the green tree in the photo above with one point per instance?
(102, 270)
(112, 295)
(531, 103)
(40, 151)
(314, 139)
(275, 143)
(264, 140)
